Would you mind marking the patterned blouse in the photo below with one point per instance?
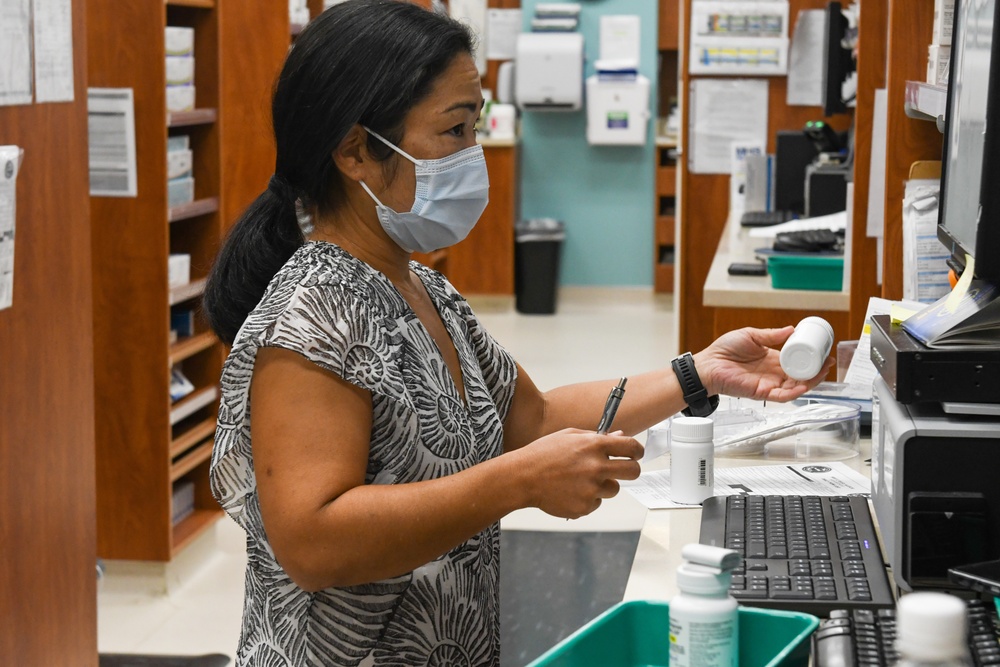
(348, 318)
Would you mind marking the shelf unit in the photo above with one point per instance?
(146, 443)
(665, 204)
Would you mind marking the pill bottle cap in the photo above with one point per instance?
(703, 580)
(691, 428)
(931, 627)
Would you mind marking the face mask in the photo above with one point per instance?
(451, 194)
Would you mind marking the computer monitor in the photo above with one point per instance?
(969, 211)
(837, 60)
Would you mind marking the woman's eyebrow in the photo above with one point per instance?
(471, 106)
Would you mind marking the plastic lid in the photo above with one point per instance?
(692, 428)
(703, 580)
(931, 627)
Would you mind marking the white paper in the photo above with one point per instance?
(742, 37)
(861, 372)
(832, 221)
(53, 24)
(875, 222)
(805, 59)
(15, 52)
(652, 489)
(725, 111)
(473, 14)
(620, 38)
(10, 159)
(111, 125)
(925, 259)
(502, 29)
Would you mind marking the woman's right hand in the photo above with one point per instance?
(569, 472)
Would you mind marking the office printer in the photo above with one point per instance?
(935, 488)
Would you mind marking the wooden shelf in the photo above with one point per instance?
(192, 437)
(191, 460)
(190, 346)
(193, 209)
(193, 402)
(193, 289)
(194, 525)
(193, 117)
(204, 4)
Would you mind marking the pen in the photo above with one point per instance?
(611, 407)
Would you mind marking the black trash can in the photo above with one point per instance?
(536, 264)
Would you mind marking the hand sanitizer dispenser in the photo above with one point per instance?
(617, 105)
(549, 71)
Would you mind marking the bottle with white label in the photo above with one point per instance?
(704, 621)
(692, 460)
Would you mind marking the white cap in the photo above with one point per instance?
(931, 627)
(692, 428)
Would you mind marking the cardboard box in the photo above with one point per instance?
(179, 270)
(179, 41)
(180, 98)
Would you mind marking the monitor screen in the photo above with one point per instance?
(969, 217)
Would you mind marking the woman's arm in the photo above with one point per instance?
(310, 432)
(740, 363)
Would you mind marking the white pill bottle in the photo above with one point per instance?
(692, 460)
(931, 629)
(806, 350)
(704, 624)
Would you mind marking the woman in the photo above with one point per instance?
(389, 431)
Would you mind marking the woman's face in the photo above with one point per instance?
(439, 125)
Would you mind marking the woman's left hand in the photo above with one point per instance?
(745, 363)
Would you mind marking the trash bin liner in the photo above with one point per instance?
(538, 244)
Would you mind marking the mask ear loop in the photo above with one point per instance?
(392, 146)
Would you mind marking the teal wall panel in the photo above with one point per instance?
(604, 194)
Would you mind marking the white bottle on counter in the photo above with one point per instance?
(704, 622)
(692, 460)
(931, 629)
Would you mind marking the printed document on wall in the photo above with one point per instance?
(473, 14)
(111, 125)
(15, 52)
(10, 162)
(725, 111)
(744, 37)
(805, 59)
(502, 29)
(53, 28)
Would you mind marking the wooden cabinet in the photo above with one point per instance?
(147, 445)
(665, 196)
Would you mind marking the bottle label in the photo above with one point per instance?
(700, 644)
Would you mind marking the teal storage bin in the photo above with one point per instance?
(820, 272)
(636, 634)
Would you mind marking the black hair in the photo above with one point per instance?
(360, 62)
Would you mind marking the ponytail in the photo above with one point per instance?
(261, 241)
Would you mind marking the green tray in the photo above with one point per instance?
(636, 634)
(822, 272)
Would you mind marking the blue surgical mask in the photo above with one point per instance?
(451, 194)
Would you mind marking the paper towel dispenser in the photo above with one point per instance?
(549, 71)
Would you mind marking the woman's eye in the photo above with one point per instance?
(458, 130)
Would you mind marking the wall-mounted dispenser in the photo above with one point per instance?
(617, 105)
(549, 71)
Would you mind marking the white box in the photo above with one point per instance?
(180, 98)
(549, 71)
(179, 270)
(183, 500)
(617, 111)
(180, 191)
(179, 41)
(180, 70)
(179, 163)
(937, 64)
(178, 142)
(944, 19)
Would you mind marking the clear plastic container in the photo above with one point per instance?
(807, 429)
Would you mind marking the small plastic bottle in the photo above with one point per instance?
(803, 354)
(704, 623)
(692, 460)
(931, 629)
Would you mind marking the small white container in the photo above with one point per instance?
(179, 41)
(502, 121)
(179, 163)
(931, 630)
(180, 70)
(180, 98)
(179, 270)
(692, 460)
(805, 351)
(180, 191)
(704, 620)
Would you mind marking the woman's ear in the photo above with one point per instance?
(352, 157)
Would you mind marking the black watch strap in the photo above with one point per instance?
(700, 404)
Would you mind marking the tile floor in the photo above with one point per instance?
(194, 605)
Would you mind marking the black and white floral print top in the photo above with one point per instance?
(348, 318)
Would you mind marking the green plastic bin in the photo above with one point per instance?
(636, 634)
(821, 272)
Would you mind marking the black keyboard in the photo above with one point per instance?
(866, 638)
(804, 553)
(764, 218)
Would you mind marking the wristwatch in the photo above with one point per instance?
(700, 404)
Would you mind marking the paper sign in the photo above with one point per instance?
(111, 125)
(805, 59)
(725, 111)
(502, 29)
(10, 158)
(15, 52)
(53, 22)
